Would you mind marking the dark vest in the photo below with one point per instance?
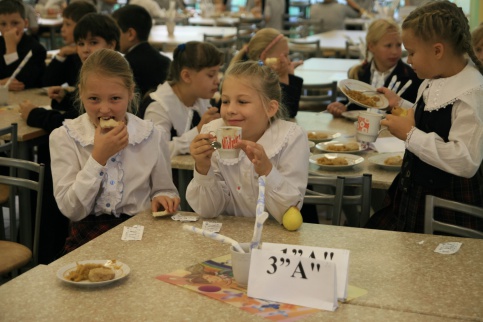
(417, 171)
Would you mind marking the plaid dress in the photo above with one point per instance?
(405, 202)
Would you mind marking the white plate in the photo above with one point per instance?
(121, 270)
(361, 86)
(379, 159)
(324, 145)
(351, 115)
(352, 159)
(322, 136)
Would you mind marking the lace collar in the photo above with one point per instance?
(438, 93)
(274, 139)
(82, 130)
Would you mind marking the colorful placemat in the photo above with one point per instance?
(214, 278)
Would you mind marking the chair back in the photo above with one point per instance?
(227, 45)
(26, 185)
(9, 148)
(333, 189)
(304, 49)
(431, 225)
(357, 192)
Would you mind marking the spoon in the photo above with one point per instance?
(216, 145)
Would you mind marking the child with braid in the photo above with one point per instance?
(443, 132)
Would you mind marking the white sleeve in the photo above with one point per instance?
(75, 185)
(463, 153)
(181, 144)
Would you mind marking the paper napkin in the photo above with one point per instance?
(388, 145)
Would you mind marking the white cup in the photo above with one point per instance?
(3, 95)
(228, 136)
(368, 126)
(240, 263)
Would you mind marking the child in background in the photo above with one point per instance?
(93, 32)
(103, 176)
(383, 41)
(330, 15)
(149, 67)
(270, 43)
(477, 40)
(444, 132)
(182, 104)
(15, 45)
(65, 66)
(271, 147)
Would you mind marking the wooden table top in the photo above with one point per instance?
(404, 278)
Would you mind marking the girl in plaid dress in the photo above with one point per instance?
(104, 175)
(443, 132)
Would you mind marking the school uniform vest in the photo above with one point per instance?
(414, 169)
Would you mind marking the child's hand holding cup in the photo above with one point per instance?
(228, 137)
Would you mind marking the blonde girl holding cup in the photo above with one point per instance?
(443, 132)
(270, 146)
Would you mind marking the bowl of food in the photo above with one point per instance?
(363, 94)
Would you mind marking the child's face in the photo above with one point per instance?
(479, 50)
(87, 46)
(419, 55)
(12, 22)
(205, 82)
(67, 30)
(105, 97)
(242, 106)
(387, 51)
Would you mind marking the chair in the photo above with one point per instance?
(13, 255)
(333, 188)
(246, 28)
(431, 225)
(319, 93)
(304, 49)
(9, 148)
(227, 45)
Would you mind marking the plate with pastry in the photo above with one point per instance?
(90, 273)
(390, 161)
(363, 94)
(340, 147)
(335, 161)
(317, 136)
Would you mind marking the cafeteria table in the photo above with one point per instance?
(182, 34)
(404, 278)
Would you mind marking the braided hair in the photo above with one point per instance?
(442, 20)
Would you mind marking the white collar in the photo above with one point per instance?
(379, 78)
(274, 139)
(445, 91)
(179, 114)
(82, 130)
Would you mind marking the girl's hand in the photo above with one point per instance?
(15, 85)
(256, 153)
(56, 93)
(201, 150)
(283, 67)
(210, 115)
(107, 144)
(25, 108)
(336, 108)
(169, 204)
(399, 126)
(391, 96)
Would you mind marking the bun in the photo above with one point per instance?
(107, 124)
(271, 61)
(399, 111)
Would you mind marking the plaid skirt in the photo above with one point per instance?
(404, 211)
(80, 232)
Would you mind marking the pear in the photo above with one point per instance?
(292, 218)
(399, 111)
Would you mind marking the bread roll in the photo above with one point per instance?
(271, 61)
(107, 124)
(101, 274)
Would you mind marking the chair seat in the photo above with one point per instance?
(13, 256)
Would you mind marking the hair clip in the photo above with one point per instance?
(260, 63)
(181, 47)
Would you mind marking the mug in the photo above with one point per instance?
(228, 136)
(368, 126)
(3, 95)
(240, 264)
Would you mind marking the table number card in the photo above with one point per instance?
(340, 257)
(292, 279)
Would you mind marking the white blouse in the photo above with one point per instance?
(231, 185)
(169, 112)
(463, 153)
(128, 181)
